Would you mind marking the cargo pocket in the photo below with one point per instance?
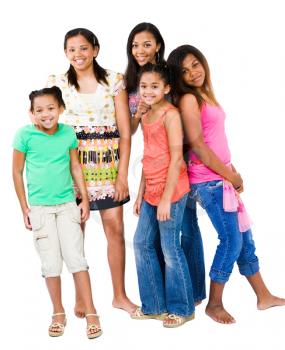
(40, 233)
(75, 213)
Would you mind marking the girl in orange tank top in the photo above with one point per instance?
(160, 206)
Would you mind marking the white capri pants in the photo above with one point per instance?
(58, 237)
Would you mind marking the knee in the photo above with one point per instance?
(235, 245)
(114, 231)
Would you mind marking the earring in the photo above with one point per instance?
(157, 57)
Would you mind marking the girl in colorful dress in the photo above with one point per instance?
(145, 44)
(160, 205)
(97, 109)
(215, 183)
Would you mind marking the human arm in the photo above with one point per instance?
(239, 189)
(123, 123)
(18, 168)
(191, 118)
(174, 131)
(136, 119)
(77, 175)
(138, 202)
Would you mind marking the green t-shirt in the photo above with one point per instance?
(48, 174)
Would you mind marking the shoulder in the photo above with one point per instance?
(172, 115)
(114, 75)
(25, 130)
(188, 100)
(114, 78)
(172, 112)
(58, 80)
(115, 81)
(22, 137)
(67, 129)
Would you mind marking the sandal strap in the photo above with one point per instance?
(138, 312)
(95, 315)
(59, 314)
(57, 325)
(94, 327)
(178, 319)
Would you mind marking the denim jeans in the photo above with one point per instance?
(173, 293)
(234, 246)
(192, 245)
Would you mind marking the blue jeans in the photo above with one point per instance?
(192, 244)
(234, 246)
(173, 293)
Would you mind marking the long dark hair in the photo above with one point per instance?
(52, 91)
(131, 74)
(99, 72)
(179, 87)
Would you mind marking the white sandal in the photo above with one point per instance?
(177, 320)
(93, 327)
(58, 325)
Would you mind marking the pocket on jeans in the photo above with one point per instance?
(215, 184)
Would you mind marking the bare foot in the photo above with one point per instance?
(219, 314)
(79, 310)
(270, 301)
(125, 304)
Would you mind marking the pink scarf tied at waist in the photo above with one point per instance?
(232, 202)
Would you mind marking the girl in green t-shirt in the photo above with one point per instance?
(49, 150)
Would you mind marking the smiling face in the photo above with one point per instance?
(144, 48)
(80, 52)
(46, 112)
(152, 88)
(193, 72)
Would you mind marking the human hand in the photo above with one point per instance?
(142, 109)
(137, 206)
(85, 210)
(27, 219)
(237, 182)
(163, 210)
(121, 188)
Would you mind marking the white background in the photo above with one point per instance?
(244, 44)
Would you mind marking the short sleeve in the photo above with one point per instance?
(19, 142)
(118, 84)
(51, 81)
(73, 141)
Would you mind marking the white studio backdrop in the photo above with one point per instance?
(244, 44)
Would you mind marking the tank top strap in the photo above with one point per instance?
(161, 118)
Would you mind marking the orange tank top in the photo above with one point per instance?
(156, 160)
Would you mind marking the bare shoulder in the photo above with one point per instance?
(188, 100)
(171, 115)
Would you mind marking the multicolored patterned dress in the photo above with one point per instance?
(93, 118)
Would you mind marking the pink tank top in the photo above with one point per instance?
(213, 128)
(156, 159)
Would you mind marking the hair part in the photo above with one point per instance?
(53, 91)
(99, 72)
(179, 87)
(160, 69)
(133, 68)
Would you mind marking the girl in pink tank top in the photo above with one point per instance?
(215, 183)
(160, 205)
